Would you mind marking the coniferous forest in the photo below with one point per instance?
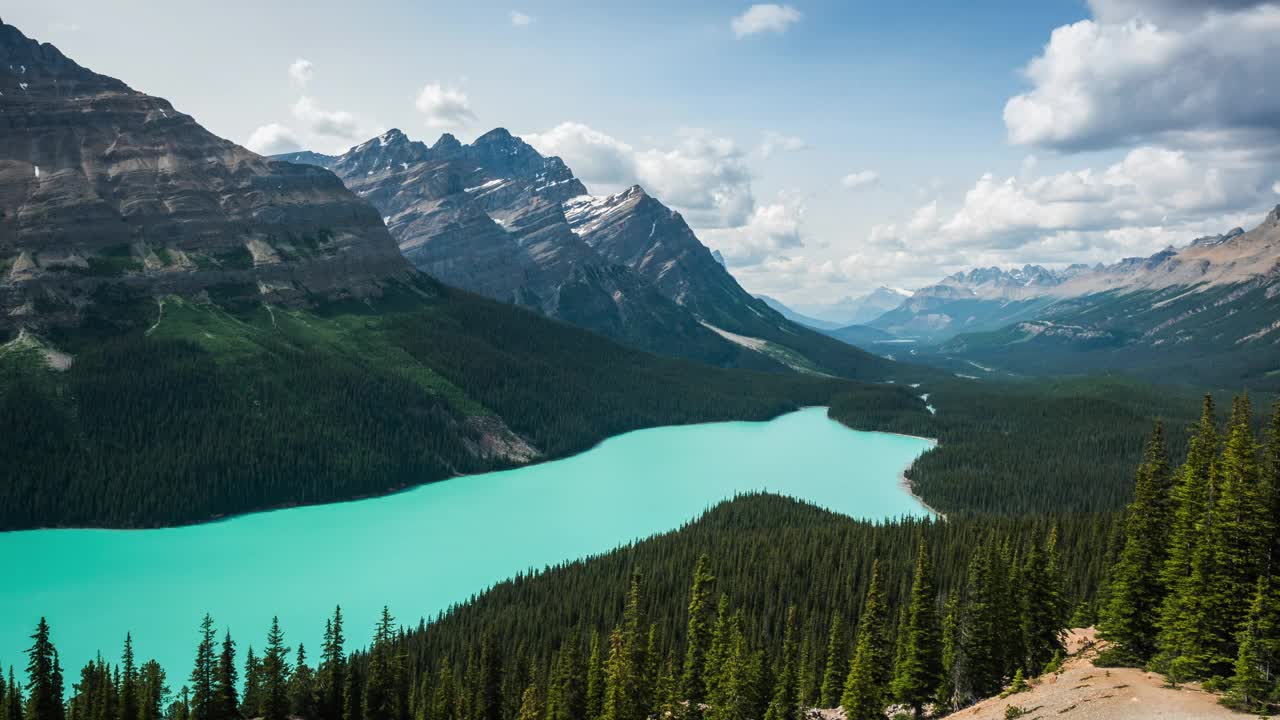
(766, 606)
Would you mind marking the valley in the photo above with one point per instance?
(474, 424)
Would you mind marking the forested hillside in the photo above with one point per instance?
(761, 607)
(169, 424)
(1067, 445)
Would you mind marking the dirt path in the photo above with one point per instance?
(1085, 692)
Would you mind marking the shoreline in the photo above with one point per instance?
(906, 482)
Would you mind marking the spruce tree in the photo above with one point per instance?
(302, 698)
(226, 694)
(1257, 664)
(836, 668)
(1239, 535)
(14, 702)
(152, 691)
(44, 686)
(1188, 523)
(734, 693)
(784, 703)
(330, 680)
(978, 668)
(721, 647)
(488, 696)
(595, 679)
(251, 701)
(275, 675)
(698, 636)
(127, 708)
(1042, 616)
(866, 690)
(384, 669)
(1130, 619)
(531, 703)
(444, 698)
(203, 674)
(918, 674)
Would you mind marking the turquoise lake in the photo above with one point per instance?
(422, 550)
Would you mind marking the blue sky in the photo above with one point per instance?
(824, 147)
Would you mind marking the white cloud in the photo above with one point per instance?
(769, 229)
(777, 142)
(1275, 188)
(702, 174)
(444, 107)
(765, 17)
(594, 156)
(301, 70)
(520, 19)
(329, 123)
(1187, 77)
(860, 179)
(273, 139)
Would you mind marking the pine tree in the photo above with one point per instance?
(866, 690)
(698, 636)
(595, 679)
(1237, 537)
(152, 691)
(784, 703)
(1130, 618)
(44, 686)
(733, 694)
(384, 669)
(127, 706)
(1041, 621)
(444, 699)
(977, 667)
(14, 703)
(1269, 487)
(330, 680)
(203, 674)
(226, 701)
(1258, 659)
(488, 702)
(919, 671)
(836, 668)
(721, 647)
(275, 675)
(251, 701)
(302, 698)
(531, 703)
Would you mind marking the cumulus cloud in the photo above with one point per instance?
(860, 179)
(520, 19)
(770, 229)
(595, 157)
(329, 123)
(764, 17)
(1146, 71)
(702, 174)
(300, 71)
(777, 142)
(273, 139)
(444, 106)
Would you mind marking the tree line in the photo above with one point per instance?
(762, 608)
(1193, 593)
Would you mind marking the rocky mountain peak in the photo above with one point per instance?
(446, 144)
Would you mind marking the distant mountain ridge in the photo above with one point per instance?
(498, 218)
(1204, 313)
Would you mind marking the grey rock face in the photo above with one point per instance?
(497, 218)
(101, 184)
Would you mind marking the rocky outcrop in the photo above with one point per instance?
(498, 218)
(102, 185)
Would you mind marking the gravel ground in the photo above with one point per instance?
(1085, 692)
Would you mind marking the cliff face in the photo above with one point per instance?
(102, 185)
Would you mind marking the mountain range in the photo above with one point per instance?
(498, 218)
(177, 312)
(1203, 313)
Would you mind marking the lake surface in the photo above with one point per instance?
(422, 550)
